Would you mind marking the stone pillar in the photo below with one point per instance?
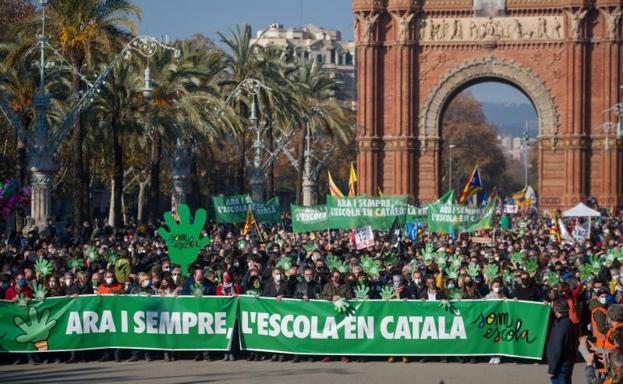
(368, 16)
(41, 168)
(606, 170)
(258, 185)
(180, 173)
(574, 138)
(399, 138)
(42, 183)
(309, 193)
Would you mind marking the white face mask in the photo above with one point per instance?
(602, 300)
(308, 279)
(277, 278)
(450, 286)
(417, 281)
(496, 289)
(108, 280)
(175, 277)
(68, 282)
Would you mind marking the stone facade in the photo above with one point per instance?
(414, 56)
(325, 46)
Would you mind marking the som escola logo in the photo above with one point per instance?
(500, 326)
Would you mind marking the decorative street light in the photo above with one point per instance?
(42, 150)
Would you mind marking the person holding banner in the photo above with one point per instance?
(334, 290)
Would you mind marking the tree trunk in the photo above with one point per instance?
(21, 172)
(242, 165)
(140, 211)
(87, 185)
(111, 206)
(195, 199)
(299, 172)
(117, 190)
(154, 178)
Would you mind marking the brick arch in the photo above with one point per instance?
(492, 68)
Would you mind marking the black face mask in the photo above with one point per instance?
(469, 284)
(525, 281)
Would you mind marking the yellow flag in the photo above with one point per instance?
(380, 191)
(333, 189)
(352, 179)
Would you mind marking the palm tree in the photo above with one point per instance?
(85, 27)
(314, 90)
(242, 63)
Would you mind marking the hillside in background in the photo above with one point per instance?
(509, 118)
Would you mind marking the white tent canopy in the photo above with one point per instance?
(581, 210)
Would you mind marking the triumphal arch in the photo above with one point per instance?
(414, 56)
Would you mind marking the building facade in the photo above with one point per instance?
(413, 56)
(325, 46)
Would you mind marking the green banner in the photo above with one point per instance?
(370, 327)
(309, 219)
(457, 218)
(416, 215)
(91, 322)
(394, 328)
(233, 209)
(359, 211)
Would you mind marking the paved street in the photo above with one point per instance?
(266, 372)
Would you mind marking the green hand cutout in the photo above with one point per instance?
(36, 329)
(183, 238)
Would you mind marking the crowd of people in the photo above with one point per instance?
(583, 281)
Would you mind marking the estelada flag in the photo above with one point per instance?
(248, 222)
(352, 179)
(333, 189)
(473, 185)
(554, 229)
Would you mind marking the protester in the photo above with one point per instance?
(561, 346)
(236, 264)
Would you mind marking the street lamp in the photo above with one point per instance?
(451, 147)
(42, 150)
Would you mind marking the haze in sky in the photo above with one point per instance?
(183, 18)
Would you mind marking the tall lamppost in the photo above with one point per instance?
(451, 147)
(42, 149)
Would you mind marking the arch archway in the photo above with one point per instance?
(413, 56)
(488, 68)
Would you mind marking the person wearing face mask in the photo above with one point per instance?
(417, 286)
(19, 286)
(468, 289)
(309, 288)
(5, 284)
(526, 290)
(277, 287)
(333, 291)
(198, 277)
(110, 285)
(598, 307)
(227, 287)
(497, 292)
(53, 287)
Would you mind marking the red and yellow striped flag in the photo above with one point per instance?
(333, 189)
(352, 179)
(248, 222)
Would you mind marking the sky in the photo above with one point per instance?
(183, 18)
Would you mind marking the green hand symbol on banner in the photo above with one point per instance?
(183, 238)
(36, 329)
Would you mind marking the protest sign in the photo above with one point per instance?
(394, 328)
(93, 322)
(364, 237)
(233, 209)
(308, 219)
(182, 238)
(359, 211)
